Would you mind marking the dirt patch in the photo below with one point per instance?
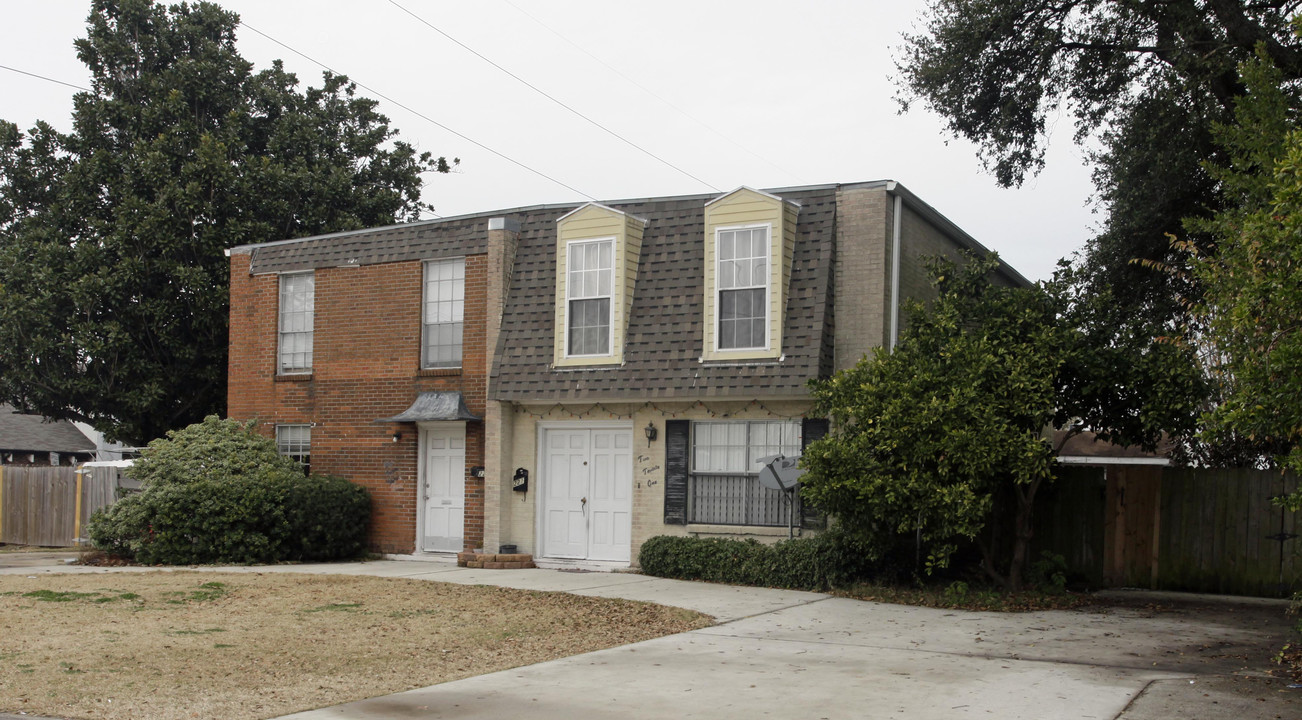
(181, 645)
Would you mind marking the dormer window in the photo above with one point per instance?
(750, 239)
(743, 285)
(597, 253)
(588, 295)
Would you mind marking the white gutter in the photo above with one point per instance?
(1088, 460)
(895, 265)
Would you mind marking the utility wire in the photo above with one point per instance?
(42, 77)
(540, 91)
(651, 92)
(421, 115)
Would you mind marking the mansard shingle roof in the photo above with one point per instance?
(664, 341)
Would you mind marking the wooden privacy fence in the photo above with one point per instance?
(50, 506)
(1174, 528)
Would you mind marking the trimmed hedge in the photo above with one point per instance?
(217, 492)
(828, 560)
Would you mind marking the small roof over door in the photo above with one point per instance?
(431, 406)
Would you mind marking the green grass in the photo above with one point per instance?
(336, 607)
(959, 596)
(55, 596)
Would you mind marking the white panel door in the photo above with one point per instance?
(565, 494)
(587, 494)
(445, 488)
(610, 503)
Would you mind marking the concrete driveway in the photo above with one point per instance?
(787, 654)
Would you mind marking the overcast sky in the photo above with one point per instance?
(722, 94)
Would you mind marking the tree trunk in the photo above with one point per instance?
(1022, 533)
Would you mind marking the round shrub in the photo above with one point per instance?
(217, 492)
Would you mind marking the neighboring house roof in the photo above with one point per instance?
(426, 240)
(33, 433)
(1086, 449)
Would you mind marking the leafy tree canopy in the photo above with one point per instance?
(1252, 304)
(113, 280)
(925, 440)
(1146, 83)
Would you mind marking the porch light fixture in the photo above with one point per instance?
(650, 431)
(397, 436)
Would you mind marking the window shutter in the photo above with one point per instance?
(677, 448)
(812, 429)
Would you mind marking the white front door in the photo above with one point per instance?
(587, 493)
(444, 491)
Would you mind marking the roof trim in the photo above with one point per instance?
(947, 226)
(1104, 460)
(607, 208)
(768, 195)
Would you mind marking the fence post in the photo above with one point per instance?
(76, 517)
(2, 503)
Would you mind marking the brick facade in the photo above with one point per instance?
(367, 337)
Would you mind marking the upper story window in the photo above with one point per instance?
(589, 288)
(297, 316)
(743, 282)
(750, 241)
(295, 442)
(444, 313)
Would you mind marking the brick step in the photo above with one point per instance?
(514, 561)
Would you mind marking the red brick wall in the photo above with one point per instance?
(366, 365)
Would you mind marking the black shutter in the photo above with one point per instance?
(677, 448)
(812, 429)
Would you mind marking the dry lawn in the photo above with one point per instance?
(227, 645)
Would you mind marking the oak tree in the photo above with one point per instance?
(113, 280)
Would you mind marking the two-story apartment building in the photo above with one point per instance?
(644, 354)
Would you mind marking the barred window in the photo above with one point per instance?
(295, 441)
(297, 316)
(725, 489)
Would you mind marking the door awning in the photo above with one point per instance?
(430, 406)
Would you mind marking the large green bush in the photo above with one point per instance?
(218, 492)
(831, 559)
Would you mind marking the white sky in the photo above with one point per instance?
(789, 94)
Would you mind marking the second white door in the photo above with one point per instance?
(444, 488)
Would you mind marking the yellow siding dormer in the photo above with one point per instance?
(597, 253)
(750, 239)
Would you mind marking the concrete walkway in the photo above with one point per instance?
(787, 654)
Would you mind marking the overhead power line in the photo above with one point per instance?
(723, 136)
(421, 115)
(42, 77)
(545, 94)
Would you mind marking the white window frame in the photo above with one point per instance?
(719, 288)
(571, 296)
(455, 306)
(298, 449)
(751, 450)
(282, 334)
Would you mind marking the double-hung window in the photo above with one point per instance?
(297, 316)
(295, 442)
(588, 293)
(444, 313)
(725, 489)
(742, 283)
